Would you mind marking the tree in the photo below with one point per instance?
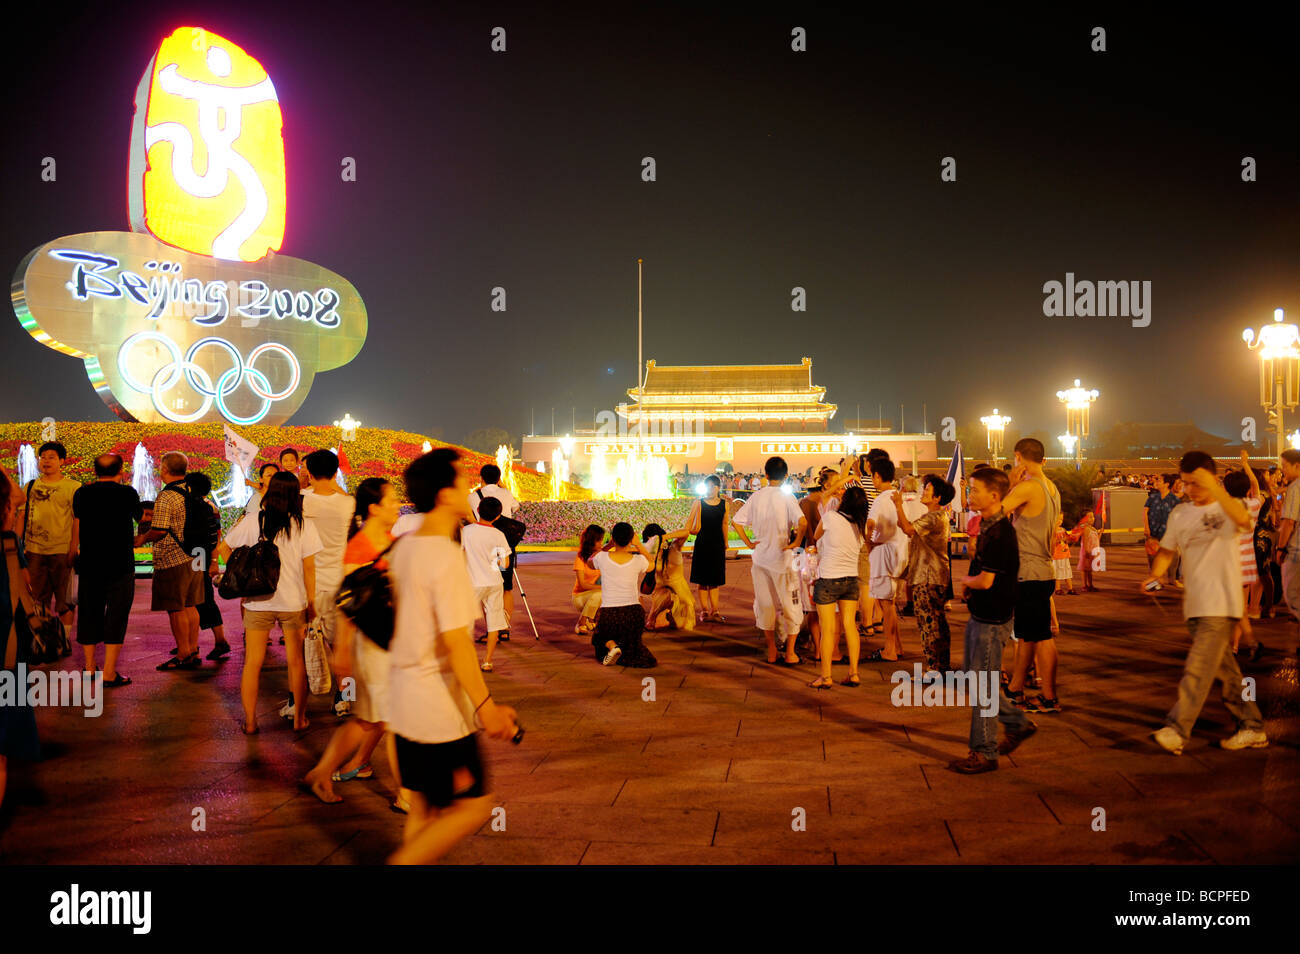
(486, 440)
(1076, 490)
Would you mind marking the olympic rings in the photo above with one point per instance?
(169, 375)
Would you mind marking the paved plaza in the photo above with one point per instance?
(720, 766)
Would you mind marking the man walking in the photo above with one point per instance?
(106, 512)
(50, 531)
(331, 510)
(1207, 531)
(177, 581)
(1287, 552)
(990, 591)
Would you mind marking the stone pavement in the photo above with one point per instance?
(716, 768)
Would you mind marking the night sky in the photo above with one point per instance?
(775, 169)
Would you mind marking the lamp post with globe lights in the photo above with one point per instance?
(1078, 405)
(995, 424)
(1278, 345)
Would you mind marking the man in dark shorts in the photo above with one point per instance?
(1034, 503)
(436, 690)
(107, 511)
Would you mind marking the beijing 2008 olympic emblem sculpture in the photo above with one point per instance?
(193, 316)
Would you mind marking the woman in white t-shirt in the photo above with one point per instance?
(291, 605)
(840, 538)
(621, 619)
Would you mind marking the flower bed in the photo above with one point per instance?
(550, 521)
(376, 452)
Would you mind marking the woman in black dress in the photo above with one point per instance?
(709, 560)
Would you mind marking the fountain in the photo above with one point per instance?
(27, 468)
(633, 476)
(143, 475)
(504, 457)
(559, 473)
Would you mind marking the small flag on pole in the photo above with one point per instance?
(957, 477)
(240, 451)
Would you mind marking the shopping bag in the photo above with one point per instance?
(74, 586)
(317, 660)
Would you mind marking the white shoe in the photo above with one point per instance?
(1169, 739)
(287, 710)
(611, 657)
(1245, 739)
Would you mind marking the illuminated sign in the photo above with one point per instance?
(207, 157)
(659, 450)
(190, 317)
(804, 447)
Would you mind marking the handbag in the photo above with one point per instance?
(41, 637)
(251, 571)
(366, 598)
(316, 659)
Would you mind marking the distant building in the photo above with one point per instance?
(701, 417)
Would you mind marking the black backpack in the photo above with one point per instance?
(197, 533)
(251, 571)
(366, 598)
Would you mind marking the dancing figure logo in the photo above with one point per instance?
(192, 316)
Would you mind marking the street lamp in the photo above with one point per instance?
(349, 427)
(1294, 438)
(1278, 345)
(1078, 403)
(1068, 441)
(995, 423)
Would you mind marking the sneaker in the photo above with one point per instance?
(287, 710)
(1245, 739)
(1013, 739)
(1169, 739)
(611, 657)
(973, 764)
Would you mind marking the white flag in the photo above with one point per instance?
(240, 451)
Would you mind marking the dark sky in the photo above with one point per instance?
(775, 169)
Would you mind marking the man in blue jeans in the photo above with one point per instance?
(990, 592)
(1207, 532)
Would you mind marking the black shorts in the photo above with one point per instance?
(508, 576)
(1033, 620)
(430, 768)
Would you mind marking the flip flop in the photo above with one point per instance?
(118, 680)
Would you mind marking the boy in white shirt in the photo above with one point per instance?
(490, 475)
(487, 553)
(772, 515)
(1206, 534)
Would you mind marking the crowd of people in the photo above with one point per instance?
(864, 547)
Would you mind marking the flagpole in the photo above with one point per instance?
(640, 365)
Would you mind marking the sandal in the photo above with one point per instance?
(878, 656)
(852, 681)
(191, 661)
(219, 652)
(486, 667)
(819, 683)
(782, 661)
(118, 680)
(173, 663)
